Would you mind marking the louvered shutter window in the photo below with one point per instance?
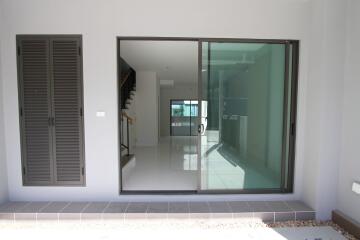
(67, 107)
(36, 111)
(50, 87)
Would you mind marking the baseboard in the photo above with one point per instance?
(347, 223)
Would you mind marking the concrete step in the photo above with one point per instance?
(265, 211)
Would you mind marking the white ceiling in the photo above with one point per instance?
(171, 60)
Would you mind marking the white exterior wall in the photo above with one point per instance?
(3, 168)
(324, 105)
(3, 172)
(100, 23)
(349, 169)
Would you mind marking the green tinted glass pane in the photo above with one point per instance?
(242, 112)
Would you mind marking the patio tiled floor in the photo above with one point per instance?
(267, 211)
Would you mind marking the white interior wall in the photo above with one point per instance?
(166, 94)
(99, 24)
(349, 169)
(3, 170)
(147, 94)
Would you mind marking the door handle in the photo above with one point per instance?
(201, 128)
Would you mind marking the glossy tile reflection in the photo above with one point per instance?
(222, 168)
(171, 165)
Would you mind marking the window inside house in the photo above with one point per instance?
(184, 117)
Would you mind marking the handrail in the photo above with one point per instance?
(125, 79)
(131, 120)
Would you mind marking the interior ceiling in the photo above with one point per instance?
(171, 60)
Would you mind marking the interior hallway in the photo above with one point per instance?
(170, 165)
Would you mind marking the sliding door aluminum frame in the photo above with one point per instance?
(285, 188)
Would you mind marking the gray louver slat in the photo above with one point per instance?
(66, 107)
(36, 138)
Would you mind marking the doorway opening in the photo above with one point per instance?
(207, 115)
(184, 115)
(159, 133)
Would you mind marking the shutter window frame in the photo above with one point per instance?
(73, 176)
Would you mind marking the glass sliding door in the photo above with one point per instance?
(183, 117)
(245, 116)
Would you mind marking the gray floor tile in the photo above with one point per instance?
(116, 207)
(136, 210)
(32, 207)
(157, 210)
(264, 210)
(219, 207)
(298, 206)
(199, 207)
(178, 207)
(75, 207)
(279, 206)
(137, 207)
(284, 216)
(239, 207)
(12, 207)
(54, 207)
(158, 207)
(199, 210)
(95, 207)
(4, 206)
(259, 206)
(305, 215)
(220, 210)
(179, 210)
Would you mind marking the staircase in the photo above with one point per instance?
(127, 91)
(127, 84)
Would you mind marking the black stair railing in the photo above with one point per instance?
(127, 88)
(126, 121)
(128, 83)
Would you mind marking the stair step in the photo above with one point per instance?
(123, 149)
(126, 159)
